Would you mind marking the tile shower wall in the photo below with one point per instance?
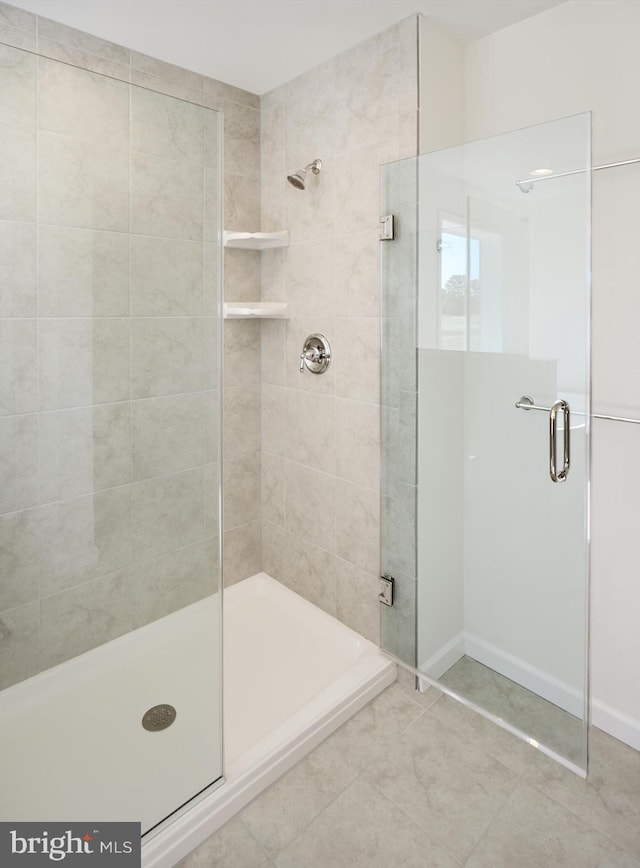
(320, 434)
(107, 428)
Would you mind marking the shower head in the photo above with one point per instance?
(297, 179)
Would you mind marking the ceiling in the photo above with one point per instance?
(260, 44)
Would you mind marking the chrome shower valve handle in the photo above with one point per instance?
(316, 354)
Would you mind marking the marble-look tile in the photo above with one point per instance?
(357, 358)
(186, 80)
(16, 37)
(212, 277)
(297, 330)
(273, 419)
(274, 352)
(83, 538)
(241, 490)
(242, 552)
(83, 361)
(19, 562)
(167, 513)
(241, 420)
(357, 603)
(159, 84)
(444, 783)
(162, 585)
(17, 173)
(166, 277)
(166, 127)
(311, 287)
(231, 847)
(309, 495)
(83, 41)
(82, 183)
(17, 269)
(216, 91)
(213, 145)
(533, 830)
(365, 737)
(310, 430)
(310, 123)
(81, 618)
(610, 797)
(241, 353)
(309, 571)
(18, 87)
(212, 326)
(212, 425)
(397, 530)
(273, 132)
(167, 435)
(488, 736)
(19, 644)
(273, 198)
(82, 104)
(212, 217)
(212, 497)
(18, 462)
(13, 16)
(242, 139)
(167, 197)
(18, 366)
(167, 356)
(358, 442)
(273, 550)
(426, 697)
(83, 450)
(357, 512)
(242, 275)
(311, 213)
(363, 829)
(398, 627)
(357, 188)
(274, 274)
(69, 54)
(273, 488)
(356, 275)
(241, 203)
(287, 807)
(82, 273)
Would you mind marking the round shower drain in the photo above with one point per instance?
(159, 717)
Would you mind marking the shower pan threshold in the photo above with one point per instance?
(292, 675)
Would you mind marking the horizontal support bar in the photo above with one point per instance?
(525, 406)
(527, 181)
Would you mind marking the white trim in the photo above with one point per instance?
(617, 724)
(445, 657)
(547, 686)
(173, 841)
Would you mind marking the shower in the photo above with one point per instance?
(297, 179)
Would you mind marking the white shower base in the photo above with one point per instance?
(292, 675)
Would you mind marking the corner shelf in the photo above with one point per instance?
(256, 240)
(256, 310)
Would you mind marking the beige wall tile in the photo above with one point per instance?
(242, 275)
(18, 462)
(309, 496)
(357, 284)
(242, 486)
(273, 550)
(167, 197)
(83, 450)
(274, 349)
(19, 644)
(311, 214)
(358, 442)
(310, 281)
(18, 366)
(242, 140)
(357, 358)
(167, 513)
(357, 603)
(163, 85)
(273, 488)
(216, 91)
(167, 435)
(82, 273)
(357, 518)
(310, 571)
(166, 127)
(83, 361)
(241, 420)
(18, 87)
(85, 60)
(273, 133)
(310, 430)
(273, 419)
(167, 356)
(12, 16)
(242, 552)
(18, 264)
(175, 74)
(19, 561)
(82, 41)
(241, 353)
(166, 277)
(17, 173)
(241, 203)
(82, 104)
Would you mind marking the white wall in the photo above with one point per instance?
(582, 56)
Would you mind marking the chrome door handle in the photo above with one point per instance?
(553, 441)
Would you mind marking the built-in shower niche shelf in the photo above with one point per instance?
(256, 240)
(256, 310)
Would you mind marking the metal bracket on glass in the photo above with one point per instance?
(526, 403)
(386, 590)
(387, 231)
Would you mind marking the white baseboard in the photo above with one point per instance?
(617, 724)
(445, 657)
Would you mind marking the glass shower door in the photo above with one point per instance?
(495, 612)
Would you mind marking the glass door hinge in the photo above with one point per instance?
(386, 590)
(387, 228)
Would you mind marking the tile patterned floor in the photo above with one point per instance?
(419, 781)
